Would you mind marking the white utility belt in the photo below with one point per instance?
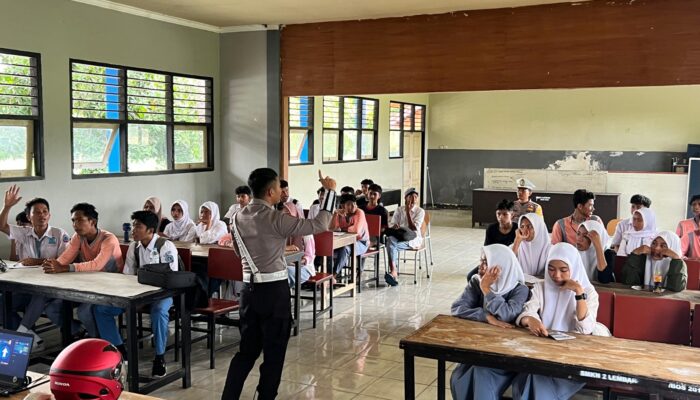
(263, 277)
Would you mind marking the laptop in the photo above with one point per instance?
(15, 348)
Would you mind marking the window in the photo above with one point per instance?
(404, 118)
(301, 130)
(21, 153)
(349, 128)
(127, 120)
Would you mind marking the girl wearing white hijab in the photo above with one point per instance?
(496, 296)
(642, 233)
(662, 258)
(565, 301)
(210, 227)
(591, 240)
(182, 228)
(153, 205)
(532, 244)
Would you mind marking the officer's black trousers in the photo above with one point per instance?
(265, 325)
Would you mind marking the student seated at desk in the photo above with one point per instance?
(564, 229)
(567, 302)
(374, 207)
(182, 228)
(20, 220)
(502, 231)
(532, 244)
(154, 205)
(642, 233)
(591, 239)
(637, 201)
(408, 218)
(90, 250)
(349, 218)
(209, 228)
(286, 198)
(659, 261)
(147, 248)
(243, 195)
(307, 261)
(316, 205)
(495, 296)
(362, 194)
(689, 231)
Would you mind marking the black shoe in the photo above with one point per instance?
(122, 350)
(158, 370)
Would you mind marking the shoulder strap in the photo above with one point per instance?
(241, 246)
(562, 227)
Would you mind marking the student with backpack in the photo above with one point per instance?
(147, 248)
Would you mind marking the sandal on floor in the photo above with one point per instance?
(390, 280)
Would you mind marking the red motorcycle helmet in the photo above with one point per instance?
(87, 369)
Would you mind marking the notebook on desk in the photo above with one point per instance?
(15, 348)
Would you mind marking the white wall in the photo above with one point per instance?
(303, 179)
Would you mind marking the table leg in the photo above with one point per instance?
(353, 270)
(132, 349)
(186, 341)
(297, 296)
(441, 379)
(66, 322)
(409, 386)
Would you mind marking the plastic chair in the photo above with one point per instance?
(606, 310)
(638, 318)
(374, 226)
(125, 249)
(617, 268)
(693, 274)
(612, 225)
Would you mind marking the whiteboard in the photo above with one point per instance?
(546, 180)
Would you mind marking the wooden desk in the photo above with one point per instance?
(342, 239)
(45, 389)
(693, 296)
(655, 368)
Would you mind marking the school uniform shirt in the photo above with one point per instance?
(232, 210)
(526, 208)
(182, 229)
(417, 216)
(29, 245)
(622, 227)
(103, 254)
(568, 233)
(378, 210)
(314, 210)
(494, 235)
(356, 223)
(150, 255)
(301, 242)
(632, 239)
(297, 204)
(216, 230)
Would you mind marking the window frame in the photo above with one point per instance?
(341, 130)
(37, 136)
(309, 132)
(124, 122)
(402, 129)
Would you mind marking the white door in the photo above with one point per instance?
(412, 156)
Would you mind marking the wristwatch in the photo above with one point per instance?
(581, 296)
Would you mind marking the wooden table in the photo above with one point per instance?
(342, 239)
(45, 390)
(655, 368)
(692, 296)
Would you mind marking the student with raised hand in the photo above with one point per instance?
(637, 201)
(532, 244)
(591, 239)
(642, 233)
(689, 231)
(146, 248)
(566, 301)
(243, 195)
(503, 231)
(90, 250)
(564, 229)
(496, 298)
(349, 218)
(154, 205)
(659, 262)
(182, 229)
(209, 228)
(35, 243)
(406, 222)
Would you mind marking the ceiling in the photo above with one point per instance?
(229, 13)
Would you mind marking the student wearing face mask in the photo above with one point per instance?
(659, 261)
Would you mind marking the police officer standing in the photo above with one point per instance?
(523, 205)
(259, 237)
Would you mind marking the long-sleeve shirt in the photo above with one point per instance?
(188, 236)
(213, 234)
(103, 254)
(635, 267)
(417, 216)
(356, 223)
(622, 227)
(473, 305)
(569, 233)
(536, 304)
(690, 245)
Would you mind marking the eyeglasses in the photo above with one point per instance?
(3, 266)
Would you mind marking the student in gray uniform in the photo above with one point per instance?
(495, 296)
(259, 234)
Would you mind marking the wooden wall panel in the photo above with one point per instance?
(589, 44)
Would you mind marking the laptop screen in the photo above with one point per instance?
(15, 348)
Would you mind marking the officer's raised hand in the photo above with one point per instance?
(328, 183)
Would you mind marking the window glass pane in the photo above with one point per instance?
(146, 148)
(300, 112)
(331, 112)
(140, 88)
(350, 113)
(190, 144)
(407, 117)
(96, 92)
(330, 145)
(349, 145)
(367, 145)
(96, 149)
(418, 118)
(395, 116)
(369, 110)
(299, 146)
(394, 143)
(18, 85)
(14, 143)
(191, 100)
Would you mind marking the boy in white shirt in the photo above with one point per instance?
(409, 217)
(243, 195)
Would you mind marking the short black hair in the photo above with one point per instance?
(284, 184)
(347, 189)
(243, 189)
(87, 209)
(641, 199)
(375, 188)
(582, 196)
(694, 198)
(260, 180)
(37, 200)
(367, 181)
(505, 204)
(148, 218)
(347, 197)
(320, 190)
(21, 218)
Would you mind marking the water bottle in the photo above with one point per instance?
(127, 228)
(658, 278)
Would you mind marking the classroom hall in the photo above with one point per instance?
(112, 102)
